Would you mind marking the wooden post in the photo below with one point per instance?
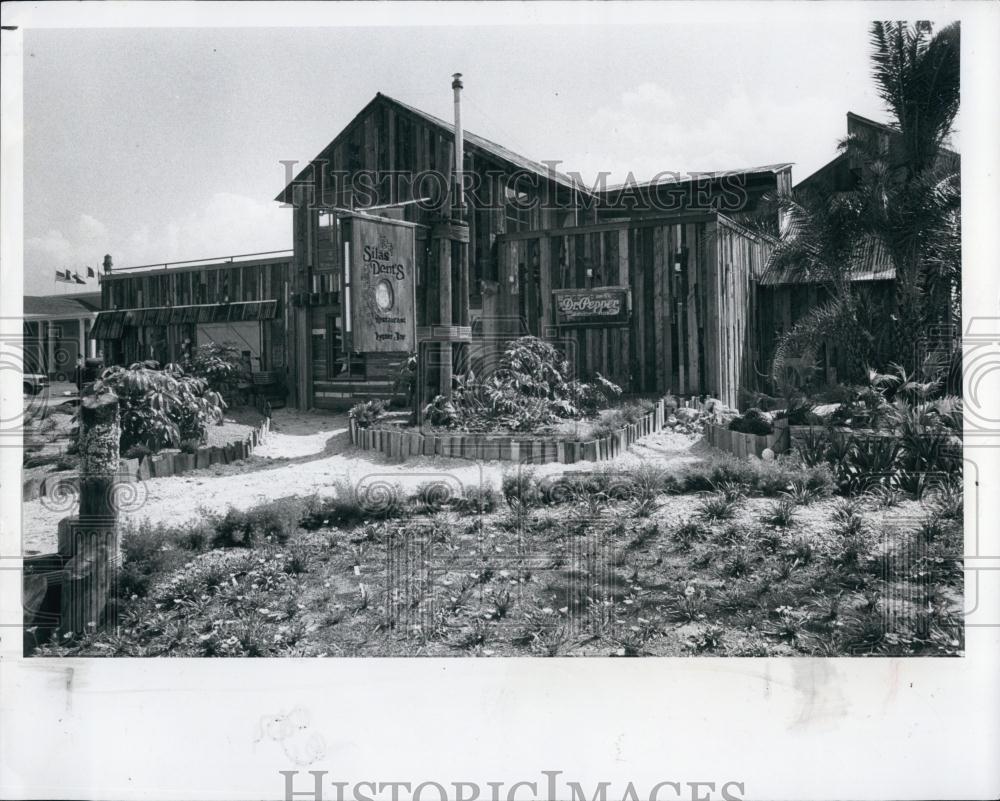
(88, 542)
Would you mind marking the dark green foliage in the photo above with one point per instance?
(781, 513)
(190, 445)
(752, 421)
(161, 407)
(137, 451)
(220, 364)
(149, 551)
(352, 504)
(520, 487)
(275, 520)
(366, 413)
(716, 507)
(531, 387)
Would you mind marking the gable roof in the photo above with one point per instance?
(57, 306)
(853, 120)
(473, 142)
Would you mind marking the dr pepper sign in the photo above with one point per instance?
(597, 307)
(382, 286)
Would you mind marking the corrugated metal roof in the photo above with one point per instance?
(57, 306)
(473, 141)
(688, 177)
(870, 262)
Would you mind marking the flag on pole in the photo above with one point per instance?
(90, 272)
(78, 279)
(64, 277)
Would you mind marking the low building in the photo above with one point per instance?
(159, 312)
(57, 331)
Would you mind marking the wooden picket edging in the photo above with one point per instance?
(740, 444)
(157, 465)
(399, 444)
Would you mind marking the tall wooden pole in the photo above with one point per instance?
(88, 542)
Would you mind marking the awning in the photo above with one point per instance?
(110, 324)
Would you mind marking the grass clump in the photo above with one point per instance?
(716, 507)
(781, 513)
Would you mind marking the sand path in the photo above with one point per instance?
(309, 453)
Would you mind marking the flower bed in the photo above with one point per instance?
(158, 465)
(740, 444)
(397, 444)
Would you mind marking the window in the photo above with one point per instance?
(517, 210)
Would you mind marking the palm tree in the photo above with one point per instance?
(906, 205)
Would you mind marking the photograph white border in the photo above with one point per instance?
(794, 728)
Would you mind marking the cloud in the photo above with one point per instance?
(225, 224)
(651, 128)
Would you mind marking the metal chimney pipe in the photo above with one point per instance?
(456, 86)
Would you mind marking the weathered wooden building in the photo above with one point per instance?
(787, 294)
(656, 285)
(157, 311)
(397, 162)
(689, 271)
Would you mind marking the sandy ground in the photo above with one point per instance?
(309, 453)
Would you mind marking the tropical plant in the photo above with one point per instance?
(220, 364)
(367, 412)
(905, 206)
(529, 388)
(161, 407)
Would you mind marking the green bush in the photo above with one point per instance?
(613, 420)
(752, 421)
(352, 504)
(161, 407)
(137, 451)
(366, 413)
(274, 520)
(149, 551)
(190, 445)
(219, 364)
(521, 487)
(477, 499)
(530, 388)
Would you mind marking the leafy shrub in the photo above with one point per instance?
(752, 421)
(137, 451)
(613, 420)
(366, 413)
(799, 412)
(441, 412)
(353, 504)
(477, 498)
(161, 407)
(520, 487)
(190, 445)
(275, 520)
(757, 476)
(219, 364)
(149, 551)
(530, 387)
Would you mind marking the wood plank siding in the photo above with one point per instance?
(693, 282)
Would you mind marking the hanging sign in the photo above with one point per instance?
(597, 307)
(383, 282)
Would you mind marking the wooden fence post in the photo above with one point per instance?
(88, 542)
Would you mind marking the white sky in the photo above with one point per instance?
(163, 144)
